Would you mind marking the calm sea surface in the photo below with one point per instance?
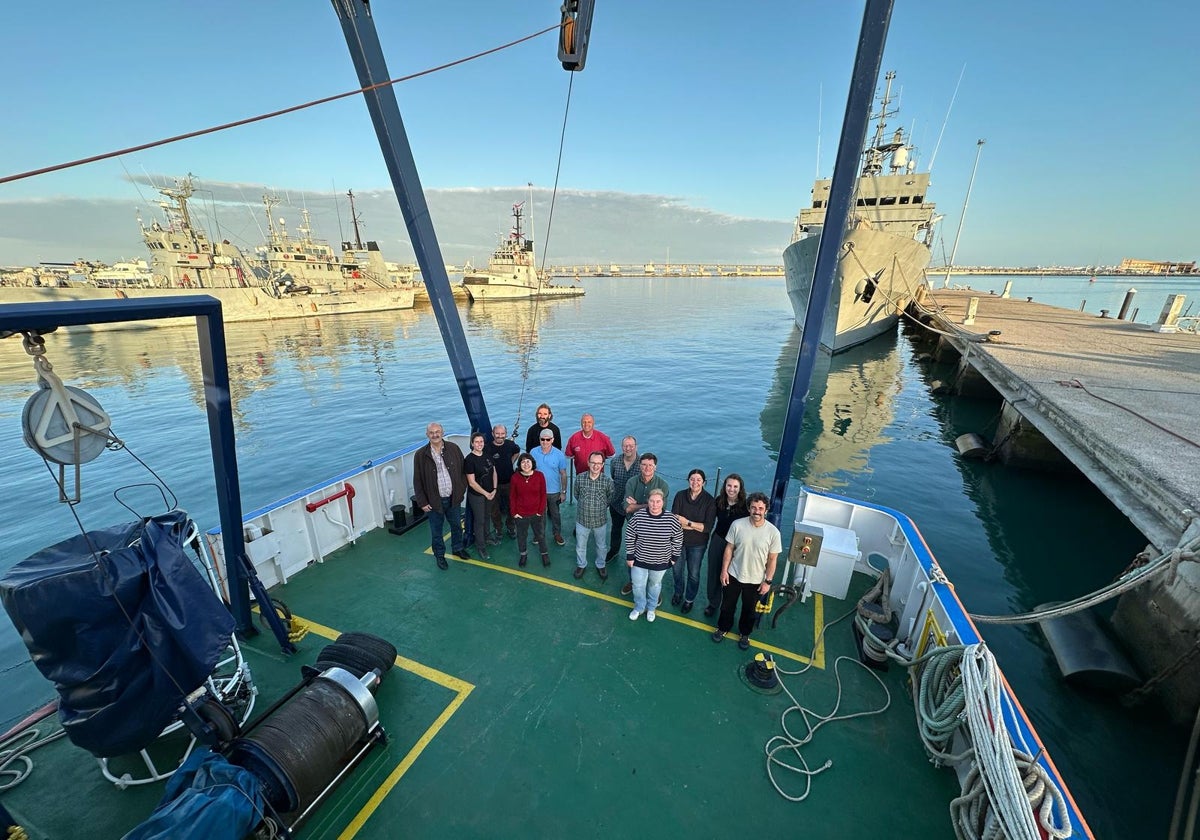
(697, 369)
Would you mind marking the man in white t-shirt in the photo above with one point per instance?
(751, 548)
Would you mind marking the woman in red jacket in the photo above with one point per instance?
(527, 501)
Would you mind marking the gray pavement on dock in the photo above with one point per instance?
(1120, 400)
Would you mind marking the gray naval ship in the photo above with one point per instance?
(291, 277)
(885, 247)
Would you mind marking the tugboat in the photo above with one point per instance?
(511, 273)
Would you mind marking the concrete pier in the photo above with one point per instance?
(1119, 401)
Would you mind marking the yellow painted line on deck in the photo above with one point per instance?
(817, 659)
(462, 688)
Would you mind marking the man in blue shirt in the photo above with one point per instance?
(552, 463)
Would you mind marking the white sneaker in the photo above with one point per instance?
(650, 616)
(634, 615)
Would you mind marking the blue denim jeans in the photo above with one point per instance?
(581, 545)
(689, 563)
(437, 524)
(646, 587)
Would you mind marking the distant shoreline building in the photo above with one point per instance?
(1157, 267)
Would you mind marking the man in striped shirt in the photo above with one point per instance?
(654, 539)
(593, 491)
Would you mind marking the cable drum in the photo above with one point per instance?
(302, 747)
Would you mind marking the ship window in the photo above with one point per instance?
(904, 199)
(817, 204)
(861, 202)
(175, 245)
(917, 199)
(871, 201)
(887, 200)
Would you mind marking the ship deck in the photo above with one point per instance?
(524, 702)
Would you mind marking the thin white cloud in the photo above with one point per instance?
(588, 225)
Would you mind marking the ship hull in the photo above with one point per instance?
(237, 305)
(893, 265)
(485, 287)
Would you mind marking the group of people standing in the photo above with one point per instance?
(514, 492)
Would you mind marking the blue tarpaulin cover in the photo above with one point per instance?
(206, 799)
(123, 624)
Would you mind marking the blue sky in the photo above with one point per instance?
(1089, 109)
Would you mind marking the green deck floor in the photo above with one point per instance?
(525, 703)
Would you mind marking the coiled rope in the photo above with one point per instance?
(15, 763)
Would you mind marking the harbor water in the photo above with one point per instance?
(698, 370)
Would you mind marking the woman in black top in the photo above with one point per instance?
(731, 505)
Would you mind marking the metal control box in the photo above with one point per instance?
(828, 564)
(806, 544)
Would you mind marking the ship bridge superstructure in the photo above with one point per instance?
(890, 193)
(182, 255)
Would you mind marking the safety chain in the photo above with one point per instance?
(35, 345)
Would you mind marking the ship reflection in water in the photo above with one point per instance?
(306, 352)
(849, 408)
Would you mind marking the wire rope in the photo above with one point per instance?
(58, 167)
(545, 254)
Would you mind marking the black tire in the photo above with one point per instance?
(354, 659)
(281, 610)
(378, 647)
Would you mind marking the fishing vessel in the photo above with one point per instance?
(511, 273)
(885, 246)
(516, 696)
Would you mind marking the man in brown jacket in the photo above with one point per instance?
(439, 484)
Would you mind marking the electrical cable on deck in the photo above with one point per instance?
(779, 744)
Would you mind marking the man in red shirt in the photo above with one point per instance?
(587, 440)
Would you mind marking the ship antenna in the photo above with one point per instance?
(873, 156)
(820, 107)
(530, 227)
(947, 120)
(358, 246)
(884, 113)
